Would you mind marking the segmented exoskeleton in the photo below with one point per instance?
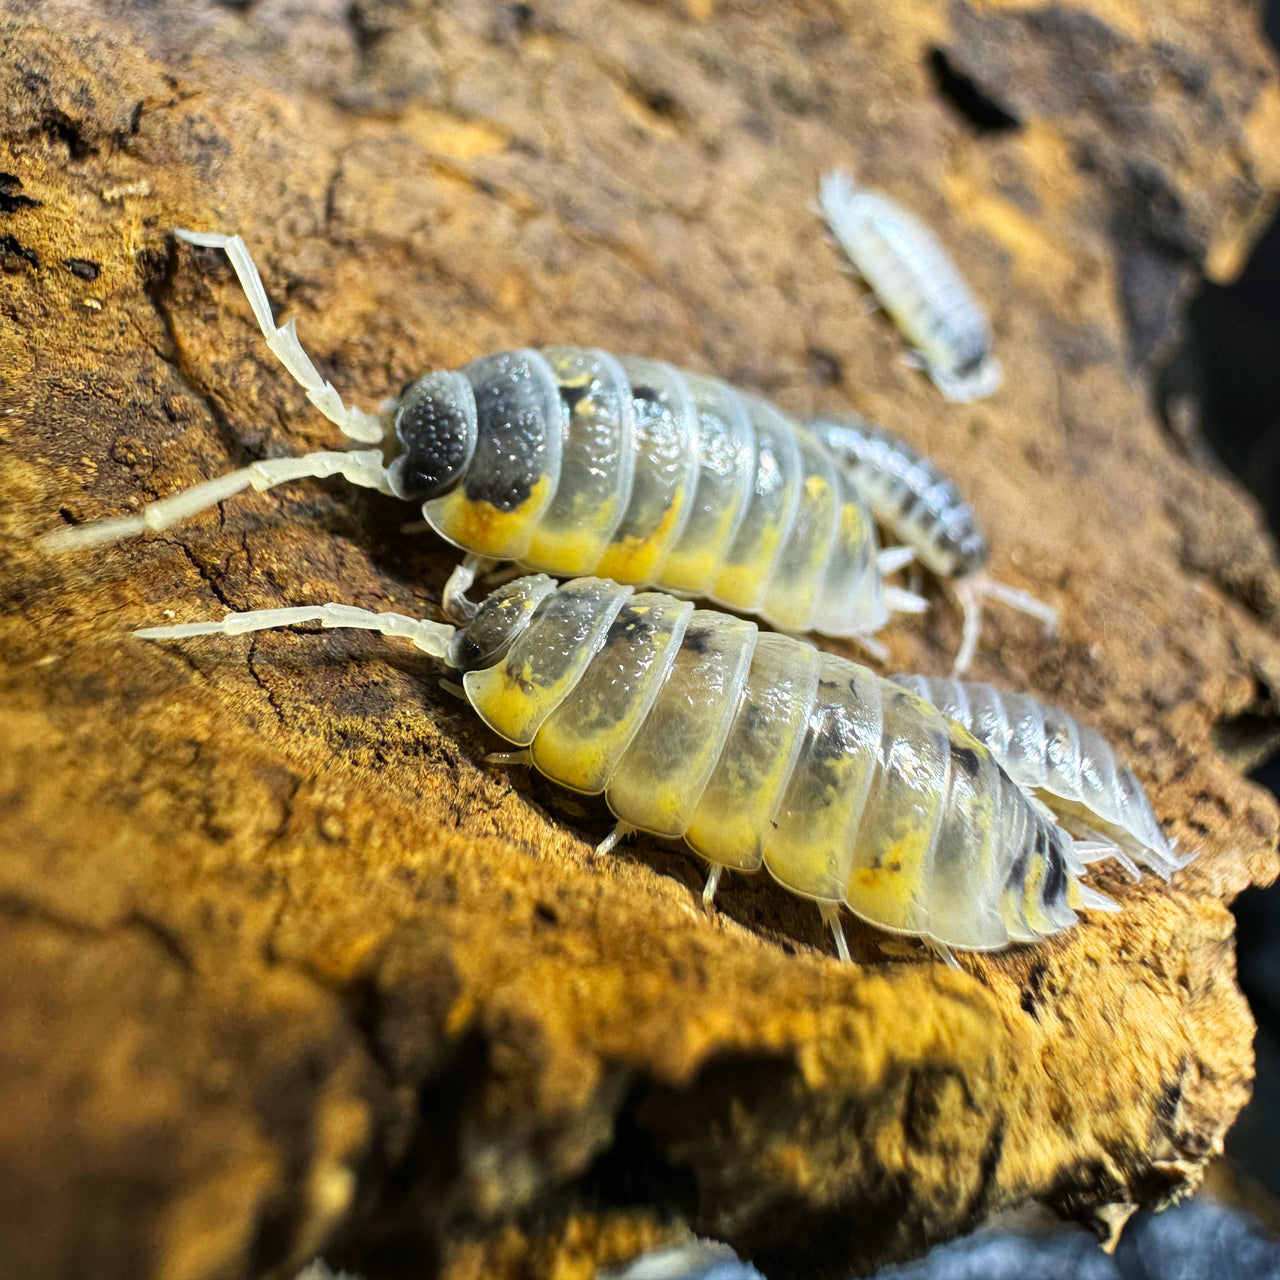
(1068, 766)
(573, 461)
(921, 507)
(917, 283)
(755, 749)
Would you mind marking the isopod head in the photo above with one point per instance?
(437, 425)
(501, 618)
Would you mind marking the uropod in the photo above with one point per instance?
(922, 507)
(917, 283)
(571, 461)
(755, 749)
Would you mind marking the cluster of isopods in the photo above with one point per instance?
(930, 808)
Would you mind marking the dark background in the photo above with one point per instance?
(1221, 389)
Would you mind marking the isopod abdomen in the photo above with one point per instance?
(756, 750)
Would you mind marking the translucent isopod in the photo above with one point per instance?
(755, 749)
(917, 283)
(571, 460)
(921, 507)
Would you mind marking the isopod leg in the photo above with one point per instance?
(454, 602)
(709, 889)
(943, 952)
(361, 467)
(970, 592)
(283, 341)
(890, 559)
(620, 832)
(831, 918)
(524, 756)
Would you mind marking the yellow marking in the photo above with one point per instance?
(742, 584)
(482, 528)
(635, 558)
(889, 890)
(694, 568)
(574, 547)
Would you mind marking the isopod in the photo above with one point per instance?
(921, 507)
(572, 461)
(1068, 766)
(918, 284)
(755, 749)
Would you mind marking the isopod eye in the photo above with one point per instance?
(436, 424)
(503, 614)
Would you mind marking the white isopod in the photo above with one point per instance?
(917, 283)
(1069, 767)
(571, 460)
(755, 749)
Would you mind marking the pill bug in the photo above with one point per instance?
(1068, 766)
(755, 749)
(921, 507)
(571, 460)
(917, 283)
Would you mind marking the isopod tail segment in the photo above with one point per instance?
(1067, 768)
(570, 460)
(918, 504)
(756, 750)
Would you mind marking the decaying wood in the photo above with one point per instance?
(285, 966)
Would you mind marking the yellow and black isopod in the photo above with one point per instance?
(755, 749)
(570, 460)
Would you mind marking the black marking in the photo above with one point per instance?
(512, 432)
(10, 200)
(971, 365)
(572, 394)
(1018, 872)
(1055, 878)
(81, 268)
(968, 760)
(699, 637)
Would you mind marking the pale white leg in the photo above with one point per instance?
(430, 637)
(454, 603)
(943, 952)
(713, 882)
(876, 648)
(620, 832)
(831, 918)
(972, 591)
(900, 601)
(361, 467)
(284, 344)
(1089, 899)
(890, 559)
(449, 686)
(524, 756)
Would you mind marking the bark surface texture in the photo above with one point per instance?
(284, 965)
